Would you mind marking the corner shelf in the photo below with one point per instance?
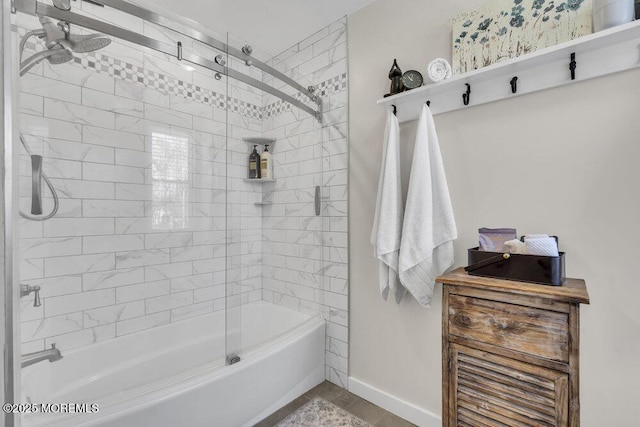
(598, 54)
(258, 180)
(259, 140)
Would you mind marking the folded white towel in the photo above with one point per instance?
(536, 236)
(438, 70)
(515, 246)
(429, 227)
(387, 223)
(545, 246)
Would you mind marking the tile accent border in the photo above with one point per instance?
(170, 85)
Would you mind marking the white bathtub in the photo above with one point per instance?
(175, 375)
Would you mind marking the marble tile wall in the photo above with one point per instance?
(301, 276)
(135, 144)
(105, 268)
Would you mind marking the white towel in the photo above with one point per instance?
(438, 70)
(515, 246)
(387, 223)
(543, 246)
(429, 227)
(536, 236)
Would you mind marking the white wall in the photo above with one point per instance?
(562, 161)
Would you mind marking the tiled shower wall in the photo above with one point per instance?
(322, 60)
(126, 132)
(105, 269)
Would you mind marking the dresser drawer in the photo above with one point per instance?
(526, 329)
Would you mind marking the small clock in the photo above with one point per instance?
(412, 79)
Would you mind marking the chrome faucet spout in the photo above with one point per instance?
(52, 355)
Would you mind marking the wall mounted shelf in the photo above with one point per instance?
(258, 180)
(259, 140)
(605, 52)
(263, 203)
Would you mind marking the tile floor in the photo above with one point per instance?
(359, 407)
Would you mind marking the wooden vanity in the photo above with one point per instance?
(510, 352)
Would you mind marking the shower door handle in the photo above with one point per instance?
(36, 184)
(317, 200)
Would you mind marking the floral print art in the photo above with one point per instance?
(504, 29)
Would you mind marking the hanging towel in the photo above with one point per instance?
(429, 227)
(387, 223)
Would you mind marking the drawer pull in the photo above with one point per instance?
(505, 325)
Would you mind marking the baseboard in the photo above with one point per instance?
(410, 412)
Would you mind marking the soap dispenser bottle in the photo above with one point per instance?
(254, 164)
(266, 164)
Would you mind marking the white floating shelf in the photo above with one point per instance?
(605, 52)
(259, 180)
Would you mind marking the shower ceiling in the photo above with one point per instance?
(274, 25)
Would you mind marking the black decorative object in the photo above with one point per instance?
(546, 270)
(395, 74)
(573, 65)
(467, 95)
(514, 85)
(412, 79)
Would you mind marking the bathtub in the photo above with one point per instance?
(175, 375)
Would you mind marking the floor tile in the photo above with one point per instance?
(365, 410)
(391, 420)
(283, 412)
(326, 390)
(359, 407)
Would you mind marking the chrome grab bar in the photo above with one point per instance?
(37, 176)
(36, 184)
(318, 205)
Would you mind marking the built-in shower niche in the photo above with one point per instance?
(267, 190)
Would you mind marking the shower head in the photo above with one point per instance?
(88, 43)
(58, 55)
(62, 4)
(61, 34)
(55, 55)
(60, 44)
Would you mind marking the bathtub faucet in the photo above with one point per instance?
(53, 354)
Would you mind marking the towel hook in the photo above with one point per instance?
(514, 84)
(572, 65)
(428, 103)
(466, 95)
(395, 110)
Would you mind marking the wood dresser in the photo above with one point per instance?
(510, 352)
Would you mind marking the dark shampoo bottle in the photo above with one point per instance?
(254, 164)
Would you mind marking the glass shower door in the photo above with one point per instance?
(131, 267)
(275, 225)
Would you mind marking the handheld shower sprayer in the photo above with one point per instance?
(60, 44)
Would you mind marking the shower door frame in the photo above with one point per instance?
(8, 298)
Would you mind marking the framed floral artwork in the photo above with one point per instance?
(504, 29)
